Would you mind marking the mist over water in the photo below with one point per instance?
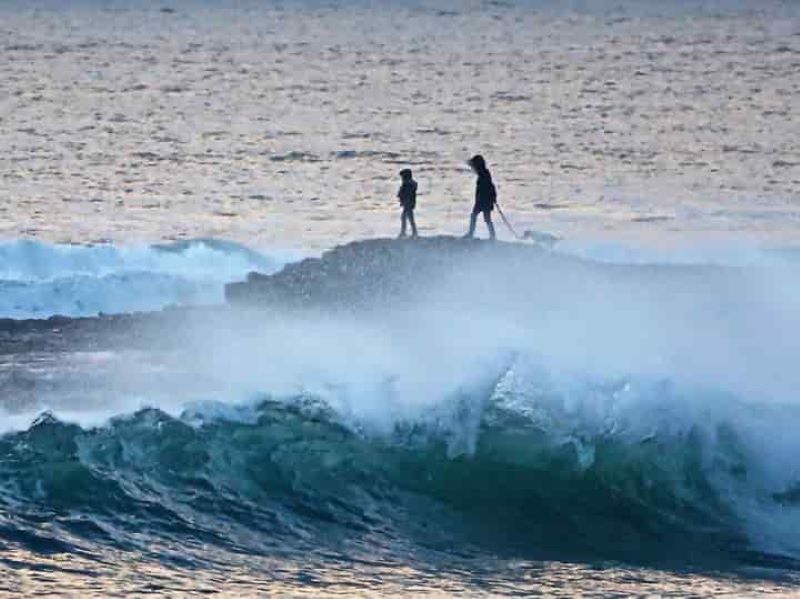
(616, 416)
(575, 397)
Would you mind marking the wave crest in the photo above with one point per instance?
(283, 472)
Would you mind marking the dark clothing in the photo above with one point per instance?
(485, 193)
(408, 200)
(485, 199)
(487, 218)
(408, 217)
(408, 194)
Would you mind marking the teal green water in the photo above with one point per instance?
(293, 501)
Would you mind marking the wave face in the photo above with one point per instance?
(479, 474)
(38, 280)
(573, 410)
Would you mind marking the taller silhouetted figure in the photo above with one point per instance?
(485, 197)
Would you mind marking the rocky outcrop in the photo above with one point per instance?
(376, 272)
(377, 275)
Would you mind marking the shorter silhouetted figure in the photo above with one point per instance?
(408, 200)
(485, 197)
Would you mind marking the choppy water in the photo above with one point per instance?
(38, 280)
(280, 497)
(622, 433)
(284, 124)
(617, 434)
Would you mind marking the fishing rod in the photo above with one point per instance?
(506, 221)
(540, 238)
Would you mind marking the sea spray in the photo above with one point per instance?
(38, 280)
(526, 403)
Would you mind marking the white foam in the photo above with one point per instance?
(721, 253)
(38, 280)
(625, 351)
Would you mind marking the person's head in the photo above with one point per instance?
(477, 163)
(405, 174)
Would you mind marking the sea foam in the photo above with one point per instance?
(38, 280)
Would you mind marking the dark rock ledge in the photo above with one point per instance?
(375, 272)
(372, 276)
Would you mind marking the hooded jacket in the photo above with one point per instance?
(485, 192)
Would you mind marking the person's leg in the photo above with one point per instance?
(473, 219)
(403, 217)
(487, 217)
(413, 223)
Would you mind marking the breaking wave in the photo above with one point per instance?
(523, 466)
(38, 280)
(575, 410)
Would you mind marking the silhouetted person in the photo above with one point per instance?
(485, 197)
(408, 200)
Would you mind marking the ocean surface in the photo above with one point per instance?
(604, 436)
(284, 124)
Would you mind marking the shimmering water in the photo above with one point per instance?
(285, 123)
(609, 435)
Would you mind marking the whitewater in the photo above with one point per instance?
(38, 280)
(635, 414)
(208, 385)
